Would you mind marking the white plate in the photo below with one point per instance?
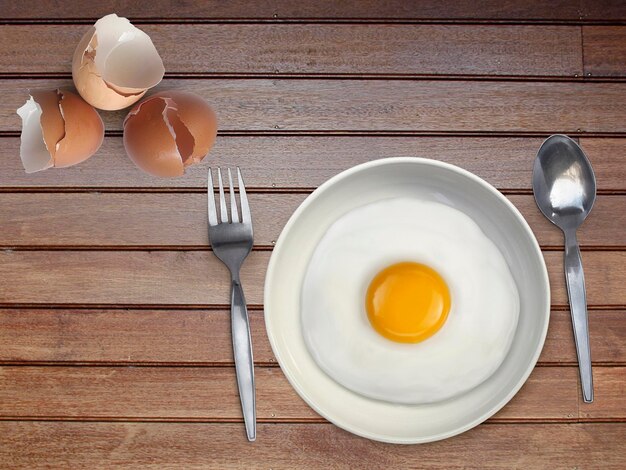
(424, 179)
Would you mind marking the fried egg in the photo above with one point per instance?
(408, 301)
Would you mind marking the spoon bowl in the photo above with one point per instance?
(563, 182)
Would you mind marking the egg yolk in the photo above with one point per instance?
(407, 302)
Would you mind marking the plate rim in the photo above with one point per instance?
(271, 268)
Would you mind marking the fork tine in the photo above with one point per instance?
(245, 209)
(223, 210)
(234, 213)
(211, 194)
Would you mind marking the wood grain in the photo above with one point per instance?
(198, 277)
(609, 395)
(531, 11)
(606, 331)
(426, 106)
(305, 162)
(599, 149)
(210, 394)
(202, 337)
(128, 337)
(603, 10)
(136, 219)
(115, 347)
(604, 50)
(311, 446)
(319, 49)
(321, 9)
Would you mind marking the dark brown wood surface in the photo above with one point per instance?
(115, 346)
(304, 162)
(604, 51)
(311, 445)
(136, 220)
(540, 11)
(383, 106)
(135, 337)
(322, 49)
(182, 278)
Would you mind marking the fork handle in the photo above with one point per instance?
(578, 307)
(244, 364)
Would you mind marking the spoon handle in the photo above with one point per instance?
(578, 307)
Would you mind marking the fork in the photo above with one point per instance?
(231, 242)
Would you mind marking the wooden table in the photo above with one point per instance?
(114, 330)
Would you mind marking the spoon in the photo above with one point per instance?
(565, 190)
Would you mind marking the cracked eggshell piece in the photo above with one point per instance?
(84, 131)
(33, 150)
(115, 63)
(168, 132)
(58, 130)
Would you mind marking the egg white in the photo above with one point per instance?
(469, 347)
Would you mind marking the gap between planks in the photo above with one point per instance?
(383, 133)
(576, 78)
(203, 190)
(10, 248)
(317, 20)
(251, 307)
(214, 365)
(182, 420)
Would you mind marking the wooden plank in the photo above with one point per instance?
(320, 49)
(311, 446)
(603, 10)
(607, 328)
(198, 277)
(610, 219)
(604, 50)
(600, 149)
(426, 106)
(202, 337)
(604, 282)
(286, 9)
(129, 219)
(174, 393)
(609, 395)
(136, 219)
(306, 162)
(126, 336)
(209, 394)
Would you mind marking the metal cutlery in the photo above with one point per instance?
(231, 239)
(565, 189)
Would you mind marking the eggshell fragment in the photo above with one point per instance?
(84, 131)
(115, 63)
(52, 122)
(168, 132)
(33, 151)
(58, 130)
(199, 118)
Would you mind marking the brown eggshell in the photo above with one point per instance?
(185, 141)
(199, 118)
(111, 73)
(51, 120)
(84, 131)
(90, 84)
(67, 130)
(168, 132)
(148, 140)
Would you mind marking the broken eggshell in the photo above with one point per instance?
(59, 129)
(115, 63)
(168, 132)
